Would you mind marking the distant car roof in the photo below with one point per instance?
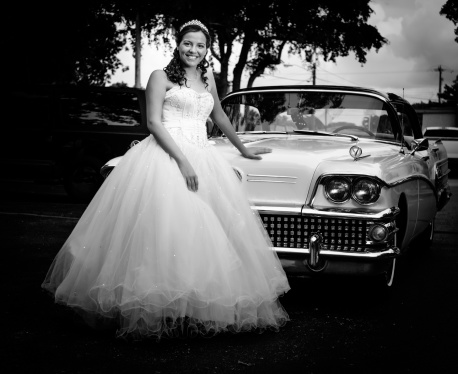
(441, 128)
(441, 132)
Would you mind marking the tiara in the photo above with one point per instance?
(194, 22)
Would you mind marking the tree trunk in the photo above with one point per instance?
(225, 51)
(138, 51)
(266, 63)
(253, 76)
(238, 70)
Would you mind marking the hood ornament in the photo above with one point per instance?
(356, 152)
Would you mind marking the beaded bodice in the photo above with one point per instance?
(184, 115)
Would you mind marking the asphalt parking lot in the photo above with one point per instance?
(343, 325)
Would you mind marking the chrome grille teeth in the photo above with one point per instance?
(288, 231)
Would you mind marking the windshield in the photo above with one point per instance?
(311, 113)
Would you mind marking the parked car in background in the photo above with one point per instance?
(448, 136)
(351, 181)
(56, 134)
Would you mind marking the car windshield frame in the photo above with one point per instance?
(309, 112)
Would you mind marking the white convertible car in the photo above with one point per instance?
(350, 182)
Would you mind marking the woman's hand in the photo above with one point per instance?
(189, 175)
(253, 152)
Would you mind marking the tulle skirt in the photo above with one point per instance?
(160, 260)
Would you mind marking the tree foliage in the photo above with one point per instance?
(61, 42)
(450, 94)
(265, 27)
(450, 11)
(141, 18)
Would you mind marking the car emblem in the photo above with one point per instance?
(356, 152)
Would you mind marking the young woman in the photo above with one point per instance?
(169, 244)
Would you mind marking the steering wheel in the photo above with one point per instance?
(346, 127)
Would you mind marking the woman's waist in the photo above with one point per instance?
(183, 123)
(181, 132)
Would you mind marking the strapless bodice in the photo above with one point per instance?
(184, 115)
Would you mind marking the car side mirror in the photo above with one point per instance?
(419, 145)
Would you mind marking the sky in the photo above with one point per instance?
(420, 41)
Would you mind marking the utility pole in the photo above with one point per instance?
(314, 73)
(440, 70)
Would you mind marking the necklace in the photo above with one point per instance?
(192, 79)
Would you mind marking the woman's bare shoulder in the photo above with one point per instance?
(158, 74)
(159, 77)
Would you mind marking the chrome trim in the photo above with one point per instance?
(388, 213)
(363, 93)
(315, 249)
(271, 176)
(390, 252)
(268, 181)
(411, 178)
(380, 181)
(276, 209)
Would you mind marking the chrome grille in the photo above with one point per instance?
(290, 231)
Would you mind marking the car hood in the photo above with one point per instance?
(286, 176)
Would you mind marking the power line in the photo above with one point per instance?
(386, 72)
(338, 76)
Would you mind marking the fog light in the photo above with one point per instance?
(378, 233)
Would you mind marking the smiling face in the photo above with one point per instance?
(192, 48)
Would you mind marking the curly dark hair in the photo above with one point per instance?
(174, 70)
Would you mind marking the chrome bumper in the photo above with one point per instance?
(317, 256)
(388, 213)
(390, 252)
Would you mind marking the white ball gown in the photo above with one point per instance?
(162, 260)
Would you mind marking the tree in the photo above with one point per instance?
(450, 93)
(141, 18)
(265, 27)
(450, 11)
(61, 43)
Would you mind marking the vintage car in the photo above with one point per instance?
(71, 134)
(350, 183)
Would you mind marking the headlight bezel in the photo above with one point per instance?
(375, 195)
(327, 192)
(353, 181)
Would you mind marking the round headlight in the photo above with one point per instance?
(365, 191)
(337, 190)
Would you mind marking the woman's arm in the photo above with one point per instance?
(155, 94)
(220, 118)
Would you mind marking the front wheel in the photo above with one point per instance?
(389, 275)
(386, 279)
(425, 239)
